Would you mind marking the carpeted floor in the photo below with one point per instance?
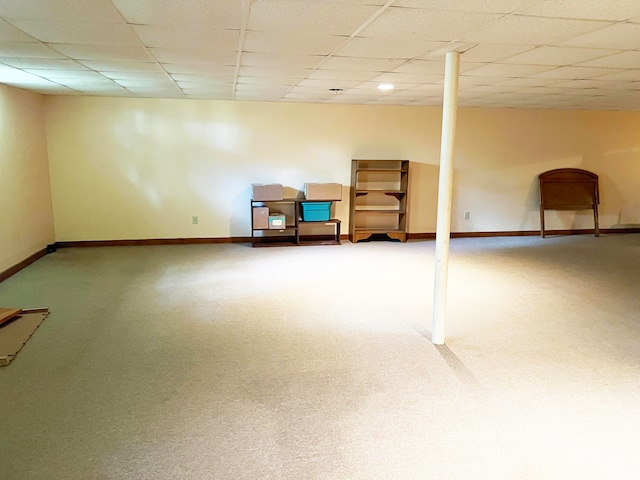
(227, 362)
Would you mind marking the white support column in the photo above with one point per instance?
(445, 187)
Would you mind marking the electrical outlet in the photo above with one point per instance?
(466, 215)
(194, 220)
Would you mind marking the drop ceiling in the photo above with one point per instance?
(561, 54)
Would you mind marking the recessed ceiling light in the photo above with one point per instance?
(385, 86)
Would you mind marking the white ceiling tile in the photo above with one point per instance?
(284, 42)
(491, 52)
(85, 84)
(318, 18)
(488, 89)
(276, 72)
(431, 89)
(269, 89)
(350, 43)
(492, 6)
(386, 48)
(196, 13)
(519, 30)
(9, 33)
(404, 93)
(575, 73)
(187, 37)
(327, 84)
(217, 89)
(175, 55)
(627, 59)
(412, 25)
(54, 89)
(630, 86)
(13, 76)
(121, 66)
(312, 91)
(146, 91)
(280, 60)
(400, 77)
(79, 32)
(465, 80)
(265, 81)
(199, 68)
(505, 70)
(557, 56)
(27, 50)
(43, 63)
(94, 11)
(202, 79)
(586, 84)
(362, 64)
(528, 82)
(104, 52)
(209, 96)
(626, 75)
(67, 74)
(543, 91)
(322, 74)
(296, 98)
(378, 3)
(439, 53)
(428, 67)
(624, 36)
(139, 76)
(159, 84)
(584, 9)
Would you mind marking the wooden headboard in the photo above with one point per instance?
(569, 189)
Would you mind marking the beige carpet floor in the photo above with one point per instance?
(227, 362)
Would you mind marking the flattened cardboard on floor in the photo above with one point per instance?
(7, 314)
(15, 333)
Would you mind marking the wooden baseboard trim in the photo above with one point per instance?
(343, 237)
(23, 264)
(192, 241)
(151, 241)
(523, 233)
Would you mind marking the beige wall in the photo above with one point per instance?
(141, 168)
(25, 196)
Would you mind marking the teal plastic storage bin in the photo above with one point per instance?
(316, 211)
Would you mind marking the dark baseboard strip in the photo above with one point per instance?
(151, 241)
(523, 233)
(192, 241)
(23, 264)
(343, 237)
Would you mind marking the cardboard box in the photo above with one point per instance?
(277, 222)
(316, 211)
(260, 218)
(323, 191)
(262, 192)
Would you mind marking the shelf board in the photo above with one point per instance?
(386, 192)
(378, 230)
(380, 211)
(289, 228)
(320, 222)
